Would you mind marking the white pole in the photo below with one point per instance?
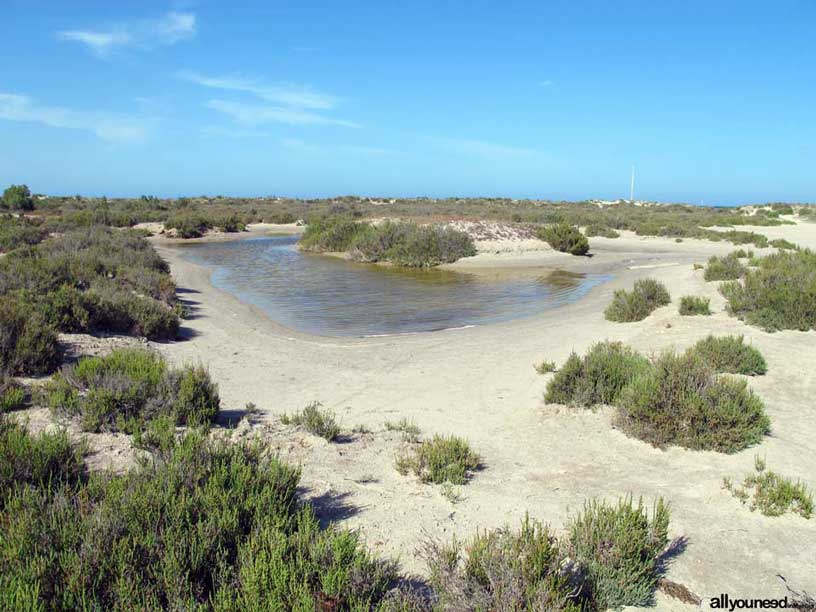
(632, 187)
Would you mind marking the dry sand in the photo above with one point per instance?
(545, 460)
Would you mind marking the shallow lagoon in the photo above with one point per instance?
(333, 297)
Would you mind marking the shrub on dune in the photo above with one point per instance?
(596, 378)
(680, 401)
(730, 354)
(646, 296)
(692, 305)
(565, 238)
(724, 268)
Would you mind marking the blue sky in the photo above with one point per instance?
(712, 101)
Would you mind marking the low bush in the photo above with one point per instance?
(95, 279)
(771, 493)
(724, 268)
(208, 524)
(781, 243)
(565, 238)
(315, 420)
(691, 305)
(779, 294)
(617, 548)
(603, 231)
(504, 570)
(646, 296)
(410, 430)
(12, 394)
(45, 461)
(403, 244)
(19, 231)
(126, 389)
(188, 225)
(679, 400)
(28, 343)
(545, 367)
(596, 378)
(439, 460)
(730, 354)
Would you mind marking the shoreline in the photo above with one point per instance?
(479, 383)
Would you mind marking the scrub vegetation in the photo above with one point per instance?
(399, 243)
(646, 296)
(692, 305)
(673, 399)
(780, 293)
(442, 459)
(314, 419)
(724, 268)
(565, 238)
(771, 493)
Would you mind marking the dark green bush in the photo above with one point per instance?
(429, 245)
(730, 354)
(128, 387)
(44, 461)
(439, 460)
(691, 305)
(18, 197)
(565, 238)
(779, 294)
(188, 225)
(19, 231)
(206, 525)
(680, 401)
(12, 394)
(781, 243)
(617, 548)
(597, 378)
(332, 235)
(28, 344)
(646, 296)
(724, 268)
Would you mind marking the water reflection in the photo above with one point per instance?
(332, 297)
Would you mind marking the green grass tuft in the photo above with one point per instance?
(315, 420)
(439, 460)
(773, 494)
(692, 305)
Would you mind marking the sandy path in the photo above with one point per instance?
(543, 459)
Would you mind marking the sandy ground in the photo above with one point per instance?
(545, 460)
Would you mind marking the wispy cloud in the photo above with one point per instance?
(481, 148)
(259, 114)
(107, 126)
(295, 144)
(546, 83)
(288, 95)
(142, 34)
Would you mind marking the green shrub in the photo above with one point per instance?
(617, 548)
(565, 238)
(19, 231)
(12, 394)
(18, 197)
(410, 430)
(646, 296)
(208, 524)
(781, 243)
(188, 225)
(545, 367)
(504, 570)
(94, 279)
(45, 461)
(597, 378)
(730, 354)
(439, 460)
(691, 305)
(315, 420)
(332, 235)
(603, 231)
(28, 344)
(779, 294)
(129, 387)
(680, 401)
(724, 268)
(773, 494)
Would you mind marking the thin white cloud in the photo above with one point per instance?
(287, 95)
(295, 144)
(142, 34)
(107, 126)
(481, 148)
(230, 132)
(545, 83)
(260, 114)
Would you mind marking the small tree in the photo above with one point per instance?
(18, 197)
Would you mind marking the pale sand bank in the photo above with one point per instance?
(542, 459)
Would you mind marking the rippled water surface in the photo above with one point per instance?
(332, 297)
